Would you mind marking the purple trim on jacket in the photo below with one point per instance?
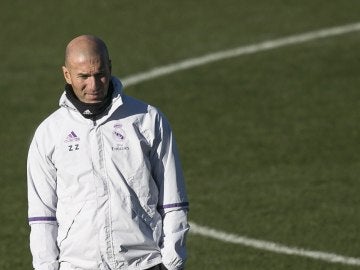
(31, 219)
(183, 204)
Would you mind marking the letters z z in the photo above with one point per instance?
(73, 147)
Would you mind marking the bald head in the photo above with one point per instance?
(85, 47)
(87, 68)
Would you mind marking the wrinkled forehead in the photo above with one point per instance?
(87, 63)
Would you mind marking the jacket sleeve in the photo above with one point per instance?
(175, 228)
(42, 201)
(173, 203)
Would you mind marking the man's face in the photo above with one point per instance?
(89, 77)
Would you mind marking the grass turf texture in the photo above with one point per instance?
(268, 142)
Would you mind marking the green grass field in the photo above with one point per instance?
(269, 141)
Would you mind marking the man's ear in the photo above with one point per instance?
(66, 75)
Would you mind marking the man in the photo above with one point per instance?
(105, 186)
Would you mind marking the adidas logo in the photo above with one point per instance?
(72, 137)
(87, 112)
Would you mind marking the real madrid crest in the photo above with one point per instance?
(118, 133)
(119, 136)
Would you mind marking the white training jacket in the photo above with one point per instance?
(107, 194)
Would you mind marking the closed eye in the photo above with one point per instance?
(96, 75)
(83, 76)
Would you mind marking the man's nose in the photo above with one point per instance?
(93, 82)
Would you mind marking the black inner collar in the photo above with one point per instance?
(89, 110)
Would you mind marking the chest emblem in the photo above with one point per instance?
(118, 133)
(71, 140)
(119, 136)
(72, 137)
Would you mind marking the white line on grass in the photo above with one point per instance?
(242, 50)
(270, 246)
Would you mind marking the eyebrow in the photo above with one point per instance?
(81, 74)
